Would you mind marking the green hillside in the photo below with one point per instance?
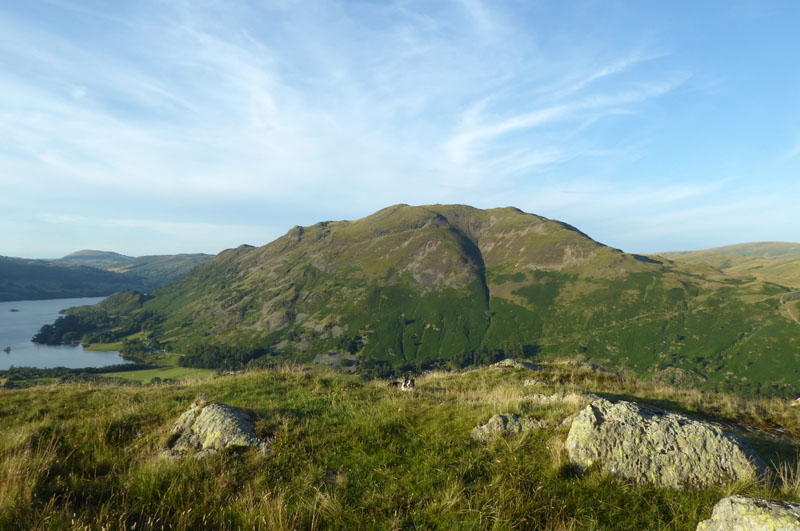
(415, 287)
(23, 279)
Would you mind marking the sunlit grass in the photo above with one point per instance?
(345, 454)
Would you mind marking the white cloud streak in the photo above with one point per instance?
(338, 107)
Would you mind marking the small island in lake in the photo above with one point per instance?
(13, 310)
(7, 350)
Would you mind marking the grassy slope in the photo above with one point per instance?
(346, 455)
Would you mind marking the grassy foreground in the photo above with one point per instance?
(348, 454)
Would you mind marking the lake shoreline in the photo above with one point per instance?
(20, 320)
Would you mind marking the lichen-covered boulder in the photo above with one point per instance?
(737, 513)
(508, 424)
(646, 445)
(206, 428)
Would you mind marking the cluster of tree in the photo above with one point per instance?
(138, 349)
(94, 325)
(217, 356)
(350, 344)
(70, 328)
(476, 358)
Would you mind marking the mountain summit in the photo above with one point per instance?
(415, 286)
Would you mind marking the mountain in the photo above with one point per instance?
(90, 273)
(23, 279)
(419, 286)
(768, 261)
(91, 258)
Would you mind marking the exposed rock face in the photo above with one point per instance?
(649, 446)
(508, 363)
(508, 424)
(210, 427)
(737, 513)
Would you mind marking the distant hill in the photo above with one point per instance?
(768, 261)
(159, 270)
(90, 273)
(99, 259)
(413, 287)
(768, 250)
(23, 279)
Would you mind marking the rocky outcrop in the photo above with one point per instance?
(508, 424)
(737, 513)
(559, 398)
(206, 428)
(508, 363)
(645, 445)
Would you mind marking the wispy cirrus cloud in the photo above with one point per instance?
(273, 114)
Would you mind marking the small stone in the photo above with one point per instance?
(507, 424)
(737, 513)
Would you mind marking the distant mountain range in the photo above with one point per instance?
(413, 287)
(90, 273)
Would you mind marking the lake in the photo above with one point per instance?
(17, 329)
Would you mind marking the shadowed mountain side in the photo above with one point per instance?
(23, 279)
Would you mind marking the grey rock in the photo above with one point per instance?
(645, 445)
(507, 424)
(206, 428)
(737, 513)
(508, 363)
(568, 398)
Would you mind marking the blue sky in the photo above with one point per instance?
(161, 126)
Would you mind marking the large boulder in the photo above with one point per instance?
(206, 428)
(508, 424)
(737, 513)
(646, 445)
